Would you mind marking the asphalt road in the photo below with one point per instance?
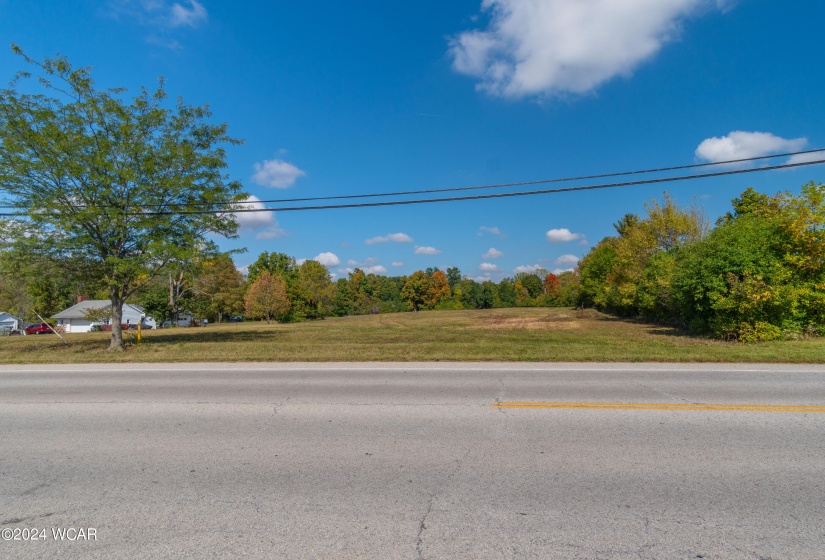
(411, 461)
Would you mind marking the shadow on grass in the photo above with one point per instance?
(205, 335)
(660, 330)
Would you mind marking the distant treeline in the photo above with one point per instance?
(759, 274)
(276, 288)
(312, 294)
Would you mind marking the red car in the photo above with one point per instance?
(42, 328)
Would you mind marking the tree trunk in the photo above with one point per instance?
(117, 317)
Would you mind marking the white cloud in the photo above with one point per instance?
(397, 264)
(400, 238)
(493, 253)
(394, 237)
(369, 266)
(366, 269)
(803, 158)
(276, 173)
(567, 260)
(488, 267)
(374, 269)
(553, 47)
(192, 16)
(271, 233)
(299, 262)
(492, 230)
(328, 259)
(252, 221)
(558, 271)
(160, 14)
(526, 268)
(426, 250)
(562, 235)
(742, 145)
(165, 42)
(480, 279)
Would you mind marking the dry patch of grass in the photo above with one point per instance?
(524, 334)
(543, 323)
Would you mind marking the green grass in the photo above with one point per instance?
(525, 334)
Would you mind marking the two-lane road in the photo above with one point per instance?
(413, 461)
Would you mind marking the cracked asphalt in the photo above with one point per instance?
(411, 461)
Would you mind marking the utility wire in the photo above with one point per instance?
(537, 182)
(470, 188)
(497, 195)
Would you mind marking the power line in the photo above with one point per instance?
(469, 188)
(537, 182)
(497, 195)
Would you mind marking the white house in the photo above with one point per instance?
(185, 318)
(10, 322)
(75, 321)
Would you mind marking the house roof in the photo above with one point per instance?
(78, 310)
(5, 316)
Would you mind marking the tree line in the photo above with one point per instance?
(280, 289)
(758, 275)
(276, 288)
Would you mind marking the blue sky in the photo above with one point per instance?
(338, 98)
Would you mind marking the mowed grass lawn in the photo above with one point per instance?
(524, 334)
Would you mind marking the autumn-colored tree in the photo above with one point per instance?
(458, 295)
(522, 295)
(551, 285)
(414, 292)
(267, 298)
(438, 289)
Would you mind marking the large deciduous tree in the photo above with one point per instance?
(219, 286)
(267, 298)
(314, 287)
(105, 179)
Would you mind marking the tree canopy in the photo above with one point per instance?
(97, 177)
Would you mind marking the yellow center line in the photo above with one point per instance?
(663, 406)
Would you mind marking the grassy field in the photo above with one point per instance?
(525, 334)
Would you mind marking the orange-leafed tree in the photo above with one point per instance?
(267, 298)
(551, 285)
(438, 289)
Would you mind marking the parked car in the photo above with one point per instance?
(41, 328)
(236, 319)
